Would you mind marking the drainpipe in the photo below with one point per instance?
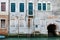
(33, 23)
(8, 17)
(18, 26)
(34, 17)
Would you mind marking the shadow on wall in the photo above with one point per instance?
(51, 30)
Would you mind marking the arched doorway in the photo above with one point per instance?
(51, 30)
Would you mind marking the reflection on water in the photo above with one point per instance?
(55, 38)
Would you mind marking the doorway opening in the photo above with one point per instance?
(30, 22)
(51, 30)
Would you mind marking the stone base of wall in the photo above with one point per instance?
(3, 32)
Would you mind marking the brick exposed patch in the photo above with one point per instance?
(4, 31)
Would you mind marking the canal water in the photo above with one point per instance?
(55, 38)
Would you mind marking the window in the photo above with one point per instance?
(3, 6)
(44, 6)
(21, 7)
(30, 8)
(39, 6)
(2, 23)
(12, 7)
(36, 26)
(48, 6)
(29, 22)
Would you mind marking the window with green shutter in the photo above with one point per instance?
(44, 6)
(21, 7)
(39, 6)
(30, 8)
(12, 7)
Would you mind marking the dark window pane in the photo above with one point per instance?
(30, 8)
(36, 26)
(44, 6)
(2, 23)
(39, 6)
(12, 7)
(3, 6)
(21, 7)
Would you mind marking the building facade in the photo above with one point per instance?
(29, 16)
(4, 17)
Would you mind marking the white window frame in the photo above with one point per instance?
(15, 7)
(46, 6)
(5, 23)
(28, 9)
(41, 6)
(50, 6)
